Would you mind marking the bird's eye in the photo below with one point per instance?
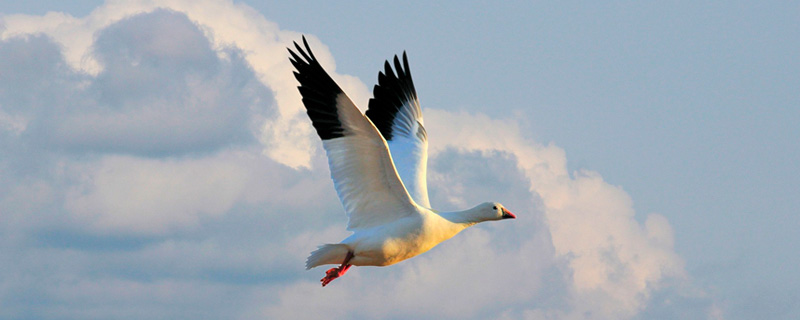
(495, 207)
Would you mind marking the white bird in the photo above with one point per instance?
(378, 165)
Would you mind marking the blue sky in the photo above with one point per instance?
(155, 160)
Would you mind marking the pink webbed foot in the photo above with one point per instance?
(334, 273)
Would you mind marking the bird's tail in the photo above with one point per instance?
(327, 254)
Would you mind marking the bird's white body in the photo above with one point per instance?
(400, 240)
(403, 238)
(378, 164)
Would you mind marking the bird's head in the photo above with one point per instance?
(493, 211)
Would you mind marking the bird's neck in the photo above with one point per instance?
(450, 223)
(461, 219)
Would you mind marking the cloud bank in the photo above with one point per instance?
(158, 163)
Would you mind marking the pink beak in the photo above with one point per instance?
(508, 215)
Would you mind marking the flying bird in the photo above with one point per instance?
(378, 163)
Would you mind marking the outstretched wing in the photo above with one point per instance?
(361, 167)
(394, 109)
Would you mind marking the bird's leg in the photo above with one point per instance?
(334, 273)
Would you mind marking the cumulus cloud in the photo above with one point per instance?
(150, 98)
(575, 252)
(159, 158)
(225, 25)
(613, 260)
(145, 195)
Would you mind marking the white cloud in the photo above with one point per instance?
(14, 124)
(575, 231)
(148, 98)
(287, 137)
(137, 137)
(149, 195)
(614, 261)
(452, 283)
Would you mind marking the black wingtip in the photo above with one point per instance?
(305, 43)
(394, 90)
(318, 90)
(388, 69)
(400, 72)
(308, 55)
(405, 65)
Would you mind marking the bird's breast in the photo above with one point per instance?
(399, 249)
(392, 245)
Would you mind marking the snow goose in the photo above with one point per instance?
(378, 165)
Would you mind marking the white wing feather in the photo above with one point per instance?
(395, 111)
(363, 172)
(410, 155)
(361, 166)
